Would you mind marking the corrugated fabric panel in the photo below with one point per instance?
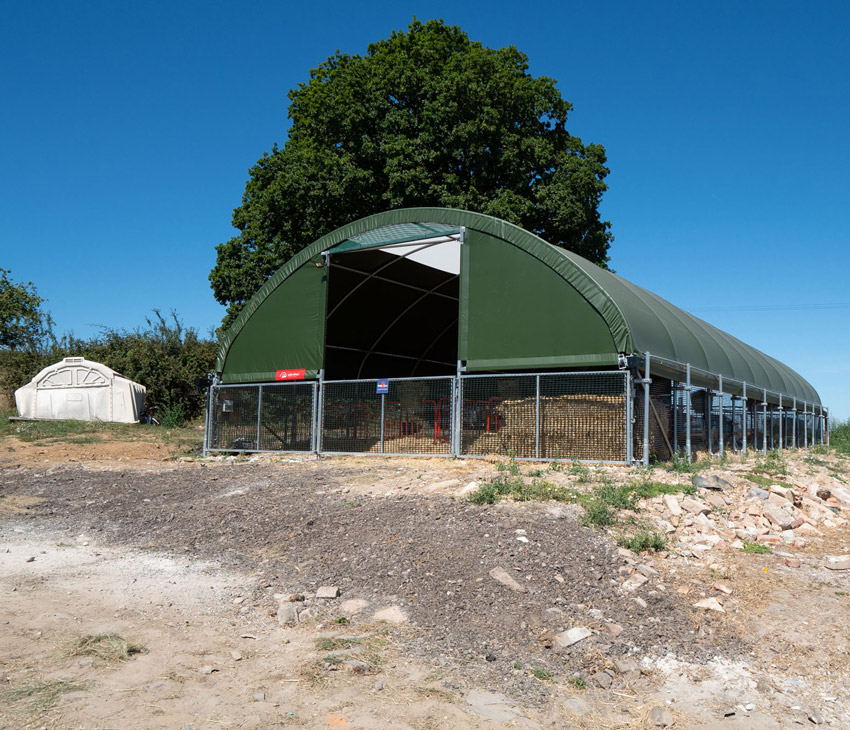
(523, 315)
(285, 332)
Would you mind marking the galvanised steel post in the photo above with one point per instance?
(646, 407)
(537, 417)
(781, 440)
(709, 404)
(805, 425)
(630, 403)
(259, 413)
(676, 417)
(720, 420)
(383, 400)
(826, 427)
(457, 426)
(208, 420)
(320, 411)
(688, 411)
(793, 423)
(744, 419)
(764, 411)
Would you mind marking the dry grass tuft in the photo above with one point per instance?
(40, 695)
(109, 647)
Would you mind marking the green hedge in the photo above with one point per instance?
(164, 356)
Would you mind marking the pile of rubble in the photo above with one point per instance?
(732, 512)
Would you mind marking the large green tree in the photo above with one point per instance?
(24, 325)
(425, 118)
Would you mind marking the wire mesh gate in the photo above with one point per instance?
(582, 416)
(273, 417)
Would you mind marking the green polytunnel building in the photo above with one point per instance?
(527, 344)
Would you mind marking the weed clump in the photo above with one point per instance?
(756, 548)
(644, 540)
(109, 647)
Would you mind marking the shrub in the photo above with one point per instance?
(164, 356)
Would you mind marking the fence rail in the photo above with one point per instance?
(618, 416)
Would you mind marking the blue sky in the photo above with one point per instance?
(128, 131)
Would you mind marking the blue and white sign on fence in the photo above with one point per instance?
(383, 386)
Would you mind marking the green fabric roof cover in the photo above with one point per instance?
(638, 321)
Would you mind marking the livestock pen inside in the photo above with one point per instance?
(444, 332)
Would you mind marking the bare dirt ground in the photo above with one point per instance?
(213, 567)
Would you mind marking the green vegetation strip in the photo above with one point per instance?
(601, 506)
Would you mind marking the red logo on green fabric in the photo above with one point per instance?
(290, 374)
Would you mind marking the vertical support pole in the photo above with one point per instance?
(744, 419)
(794, 424)
(320, 411)
(383, 415)
(646, 407)
(537, 417)
(826, 427)
(709, 406)
(688, 412)
(721, 438)
(781, 416)
(457, 426)
(208, 419)
(676, 417)
(805, 426)
(764, 411)
(259, 414)
(630, 408)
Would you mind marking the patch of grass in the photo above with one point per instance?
(517, 665)
(756, 548)
(510, 484)
(334, 643)
(646, 489)
(680, 464)
(109, 647)
(544, 675)
(85, 432)
(341, 620)
(765, 482)
(643, 540)
(578, 682)
(437, 693)
(581, 471)
(773, 462)
(42, 694)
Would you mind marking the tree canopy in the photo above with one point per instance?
(23, 323)
(425, 118)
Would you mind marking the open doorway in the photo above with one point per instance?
(393, 311)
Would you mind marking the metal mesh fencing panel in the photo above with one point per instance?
(414, 416)
(575, 416)
(287, 417)
(418, 416)
(351, 417)
(499, 415)
(660, 421)
(583, 416)
(233, 421)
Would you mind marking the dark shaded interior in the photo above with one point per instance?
(389, 317)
